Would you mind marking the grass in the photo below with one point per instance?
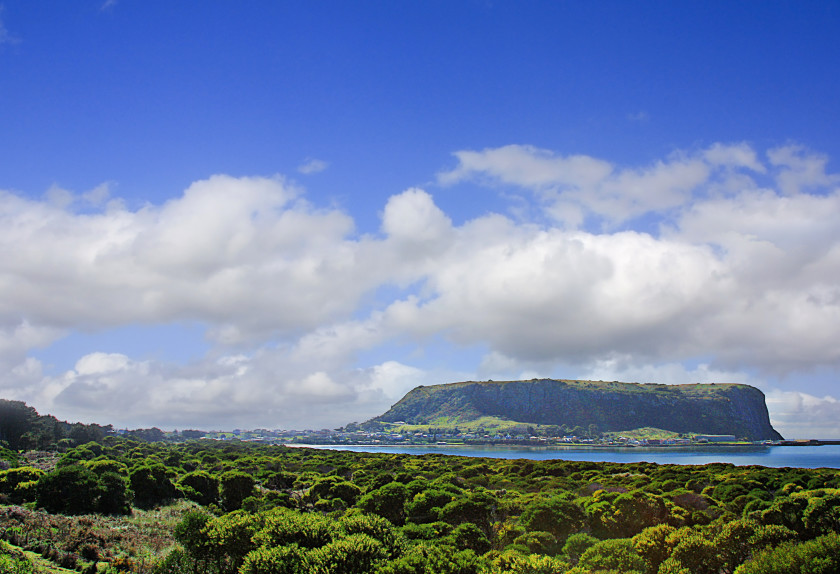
(489, 424)
(12, 558)
(44, 566)
(148, 533)
(644, 433)
(141, 538)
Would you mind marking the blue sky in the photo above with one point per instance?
(288, 214)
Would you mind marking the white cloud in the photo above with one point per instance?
(748, 277)
(412, 216)
(418, 232)
(21, 376)
(293, 298)
(240, 253)
(799, 169)
(631, 193)
(317, 386)
(312, 166)
(595, 186)
(16, 338)
(570, 188)
(761, 216)
(98, 195)
(540, 294)
(737, 155)
(628, 369)
(101, 363)
(527, 166)
(801, 415)
(395, 379)
(272, 388)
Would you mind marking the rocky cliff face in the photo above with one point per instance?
(708, 409)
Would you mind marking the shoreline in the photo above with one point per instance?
(579, 447)
(794, 456)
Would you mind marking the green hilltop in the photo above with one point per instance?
(725, 409)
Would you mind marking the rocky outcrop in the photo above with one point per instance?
(739, 410)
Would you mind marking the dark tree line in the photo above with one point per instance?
(22, 428)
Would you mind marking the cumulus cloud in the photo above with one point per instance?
(241, 253)
(801, 415)
(578, 183)
(733, 155)
(527, 166)
(16, 338)
(628, 368)
(752, 274)
(22, 376)
(312, 165)
(269, 388)
(417, 231)
(799, 170)
(550, 294)
(412, 216)
(741, 276)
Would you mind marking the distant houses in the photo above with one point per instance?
(714, 438)
(393, 434)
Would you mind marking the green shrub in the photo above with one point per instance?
(430, 558)
(289, 559)
(651, 544)
(282, 526)
(353, 554)
(376, 527)
(818, 556)
(200, 487)
(535, 564)
(468, 536)
(68, 490)
(615, 554)
(537, 542)
(19, 483)
(556, 515)
(387, 501)
(426, 506)
(152, 485)
(234, 487)
(577, 544)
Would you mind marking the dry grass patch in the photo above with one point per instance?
(141, 538)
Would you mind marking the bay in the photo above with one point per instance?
(823, 456)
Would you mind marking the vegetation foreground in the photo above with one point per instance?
(209, 507)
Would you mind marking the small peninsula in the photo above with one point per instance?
(713, 409)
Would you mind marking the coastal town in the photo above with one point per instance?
(339, 437)
(453, 437)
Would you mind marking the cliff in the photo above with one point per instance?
(739, 410)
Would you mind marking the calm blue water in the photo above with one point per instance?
(827, 456)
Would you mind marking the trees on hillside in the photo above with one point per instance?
(16, 419)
